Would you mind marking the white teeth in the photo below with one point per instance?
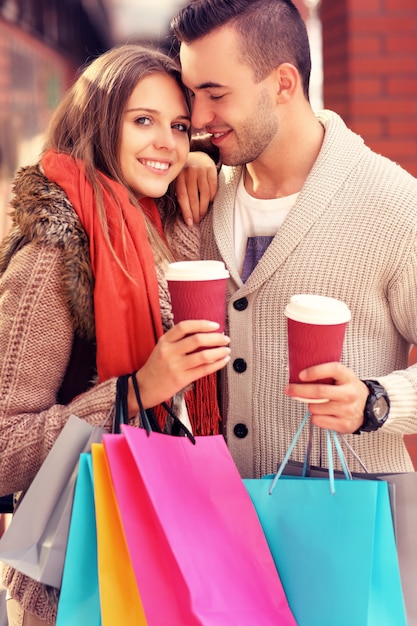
(156, 165)
(217, 135)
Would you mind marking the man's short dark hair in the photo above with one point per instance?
(271, 32)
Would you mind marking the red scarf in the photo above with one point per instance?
(127, 314)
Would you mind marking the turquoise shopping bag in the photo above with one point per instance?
(334, 547)
(79, 601)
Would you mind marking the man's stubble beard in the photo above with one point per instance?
(254, 134)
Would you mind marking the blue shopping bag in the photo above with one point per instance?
(333, 544)
(79, 601)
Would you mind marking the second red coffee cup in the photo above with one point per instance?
(316, 331)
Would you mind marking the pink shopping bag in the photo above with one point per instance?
(197, 548)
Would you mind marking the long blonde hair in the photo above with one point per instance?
(87, 122)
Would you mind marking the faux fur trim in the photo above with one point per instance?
(42, 214)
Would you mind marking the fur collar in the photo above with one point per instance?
(42, 214)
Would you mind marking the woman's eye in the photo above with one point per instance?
(183, 128)
(143, 121)
(216, 97)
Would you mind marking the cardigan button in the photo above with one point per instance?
(239, 365)
(240, 431)
(241, 304)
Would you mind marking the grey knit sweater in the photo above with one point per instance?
(352, 235)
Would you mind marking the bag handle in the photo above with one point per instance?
(148, 419)
(120, 408)
(144, 416)
(331, 437)
(353, 453)
(178, 426)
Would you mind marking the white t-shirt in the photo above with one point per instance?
(256, 222)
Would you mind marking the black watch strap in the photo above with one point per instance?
(376, 409)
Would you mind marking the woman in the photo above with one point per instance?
(83, 300)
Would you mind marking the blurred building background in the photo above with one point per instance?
(364, 66)
(42, 43)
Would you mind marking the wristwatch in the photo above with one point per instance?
(376, 409)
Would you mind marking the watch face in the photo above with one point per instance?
(380, 408)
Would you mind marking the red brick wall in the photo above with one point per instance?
(370, 79)
(370, 72)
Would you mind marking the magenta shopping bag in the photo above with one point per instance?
(197, 548)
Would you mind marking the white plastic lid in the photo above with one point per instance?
(314, 309)
(196, 270)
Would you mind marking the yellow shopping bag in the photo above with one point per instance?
(119, 595)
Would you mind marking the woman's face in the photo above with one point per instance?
(154, 135)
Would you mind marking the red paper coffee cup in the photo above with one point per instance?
(198, 290)
(316, 331)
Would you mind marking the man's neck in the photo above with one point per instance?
(282, 170)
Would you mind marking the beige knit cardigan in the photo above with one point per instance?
(352, 235)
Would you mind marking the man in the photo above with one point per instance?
(303, 206)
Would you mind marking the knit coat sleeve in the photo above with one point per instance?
(36, 336)
(402, 384)
(183, 240)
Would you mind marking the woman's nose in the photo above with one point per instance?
(166, 139)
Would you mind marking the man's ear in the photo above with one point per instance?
(287, 80)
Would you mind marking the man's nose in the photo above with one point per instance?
(202, 114)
